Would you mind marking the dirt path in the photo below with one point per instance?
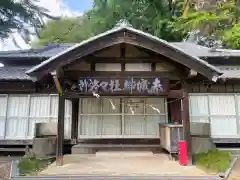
(5, 171)
(235, 174)
(5, 166)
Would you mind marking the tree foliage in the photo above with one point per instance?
(21, 16)
(213, 24)
(63, 31)
(152, 16)
(220, 21)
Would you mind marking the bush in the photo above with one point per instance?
(30, 164)
(213, 160)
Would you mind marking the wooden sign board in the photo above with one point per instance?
(129, 85)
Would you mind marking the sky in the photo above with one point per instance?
(68, 8)
(81, 5)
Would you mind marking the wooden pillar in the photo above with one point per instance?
(186, 123)
(175, 110)
(60, 130)
(75, 109)
(182, 95)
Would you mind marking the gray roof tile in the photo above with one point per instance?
(52, 49)
(45, 52)
(121, 27)
(14, 73)
(18, 73)
(230, 72)
(202, 51)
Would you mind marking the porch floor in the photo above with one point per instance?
(106, 164)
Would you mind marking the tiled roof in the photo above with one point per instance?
(18, 73)
(52, 49)
(46, 51)
(230, 72)
(202, 51)
(126, 26)
(14, 73)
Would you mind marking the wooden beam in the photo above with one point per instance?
(75, 109)
(124, 59)
(93, 67)
(60, 72)
(186, 123)
(192, 73)
(76, 94)
(93, 60)
(175, 94)
(78, 53)
(60, 131)
(171, 53)
(129, 37)
(123, 50)
(57, 82)
(12, 86)
(74, 75)
(58, 86)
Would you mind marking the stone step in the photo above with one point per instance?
(124, 153)
(117, 145)
(93, 148)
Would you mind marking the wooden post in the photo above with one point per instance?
(186, 124)
(75, 106)
(59, 83)
(60, 131)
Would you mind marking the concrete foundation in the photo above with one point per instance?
(124, 154)
(77, 149)
(44, 146)
(200, 129)
(201, 137)
(202, 144)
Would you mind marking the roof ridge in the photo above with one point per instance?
(48, 46)
(224, 50)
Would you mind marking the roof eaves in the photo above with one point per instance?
(35, 53)
(119, 28)
(175, 47)
(74, 47)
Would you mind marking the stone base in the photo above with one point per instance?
(77, 149)
(44, 146)
(202, 144)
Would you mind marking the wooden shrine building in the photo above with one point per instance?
(118, 85)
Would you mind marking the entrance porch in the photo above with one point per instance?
(121, 164)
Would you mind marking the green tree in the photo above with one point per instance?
(218, 22)
(21, 15)
(63, 31)
(231, 37)
(152, 16)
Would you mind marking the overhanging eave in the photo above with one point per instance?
(129, 35)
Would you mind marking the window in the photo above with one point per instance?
(219, 110)
(98, 118)
(19, 113)
(108, 67)
(138, 67)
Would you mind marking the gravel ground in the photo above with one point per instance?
(114, 163)
(5, 171)
(5, 166)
